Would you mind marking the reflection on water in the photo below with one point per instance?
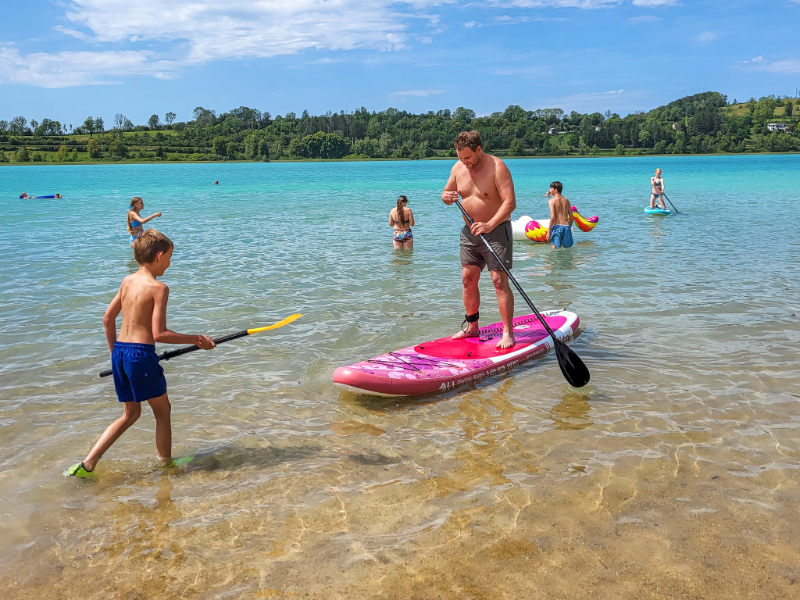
(673, 475)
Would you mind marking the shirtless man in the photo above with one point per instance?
(138, 377)
(559, 233)
(487, 191)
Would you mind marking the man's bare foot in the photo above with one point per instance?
(473, 331)
(507, 341)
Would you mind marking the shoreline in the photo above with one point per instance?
(358, 160)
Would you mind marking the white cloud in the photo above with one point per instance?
(416, 93)
(68, 69)
(159, 39)
(643, 19)
(655, 2)
(789, 66)
(706, 37)
(616, 100)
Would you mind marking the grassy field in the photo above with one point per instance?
(741, 110)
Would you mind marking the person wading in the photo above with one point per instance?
(402, 219)
(487, 191)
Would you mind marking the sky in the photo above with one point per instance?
(68, 59)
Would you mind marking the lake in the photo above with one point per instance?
(674, 473)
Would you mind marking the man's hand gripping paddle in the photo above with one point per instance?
(575, 372)
(227, 338)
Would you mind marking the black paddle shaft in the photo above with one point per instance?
(572, 367)
(187, 349)
(670, 203)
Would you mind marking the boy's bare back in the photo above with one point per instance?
(560, 211)
(143, 299)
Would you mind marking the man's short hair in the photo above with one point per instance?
(556, 185)
(469, 139)
(149, 244)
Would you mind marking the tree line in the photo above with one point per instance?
(698, 124)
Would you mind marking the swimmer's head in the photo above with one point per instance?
(153, 247)
(557, 186)
(137, 202)
(658, 172)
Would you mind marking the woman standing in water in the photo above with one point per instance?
(135, 221)
(657, 193)
(402, 219)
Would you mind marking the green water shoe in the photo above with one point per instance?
(79, 470)
(180, 462)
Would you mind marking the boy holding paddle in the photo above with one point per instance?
(137, 375)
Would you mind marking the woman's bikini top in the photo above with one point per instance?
(396, 222)
(136, 222)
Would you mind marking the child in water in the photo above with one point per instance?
(559, 234)
(138, 377)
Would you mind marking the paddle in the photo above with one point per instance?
(572, 367)
(670, 202)
(227, 338)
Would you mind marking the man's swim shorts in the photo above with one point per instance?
(137, 375)
(561, 235)
(474, 251)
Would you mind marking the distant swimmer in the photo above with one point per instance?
(402, 219)
(559, 233)
(138, 376)
(136, 221)
(484, 183)
(24, 196)
(216, 182)
(657, 192)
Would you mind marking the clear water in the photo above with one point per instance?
(675, 473)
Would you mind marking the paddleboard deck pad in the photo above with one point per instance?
(656, 211)
(444, 364)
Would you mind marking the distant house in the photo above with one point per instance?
(675, 125)
(598, 128)
(552, 131)
(776, 126)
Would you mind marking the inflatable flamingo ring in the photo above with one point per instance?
(525, 228)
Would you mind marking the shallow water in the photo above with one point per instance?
(674, 474)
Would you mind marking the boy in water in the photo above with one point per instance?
(137, 375)
(559, 233)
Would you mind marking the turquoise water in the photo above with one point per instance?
(688, 429)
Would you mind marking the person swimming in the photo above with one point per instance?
(135, 221)
(402, 219)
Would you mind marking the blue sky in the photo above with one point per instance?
(67, 59)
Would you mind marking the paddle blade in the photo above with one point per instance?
(286, 321)
(575, 372)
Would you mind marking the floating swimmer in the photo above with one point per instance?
(24, 196)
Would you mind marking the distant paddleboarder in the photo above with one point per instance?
(487, 191)
(402, 219)
(136, 221)
(657, 191)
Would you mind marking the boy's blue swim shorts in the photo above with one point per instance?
(137, 375)
(561, 235)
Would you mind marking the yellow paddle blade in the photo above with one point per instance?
(286, 321)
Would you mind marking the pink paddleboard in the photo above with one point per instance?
(445, 364)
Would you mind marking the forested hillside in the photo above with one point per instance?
(699, 124)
